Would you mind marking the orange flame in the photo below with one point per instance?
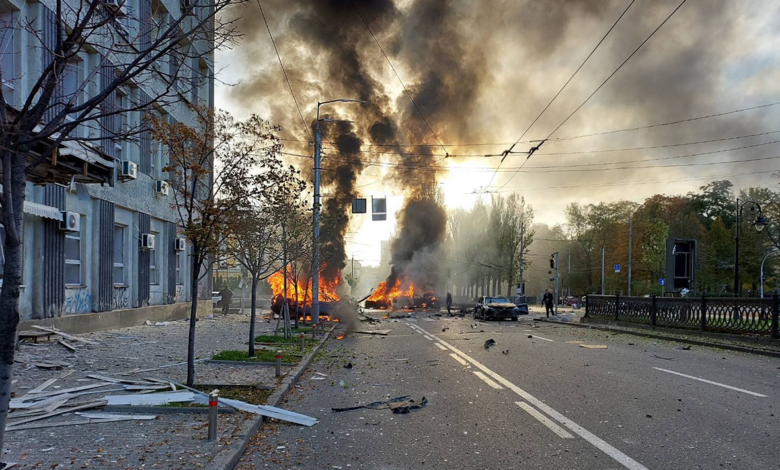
(386, 297)
(301, 292)
(340, 337)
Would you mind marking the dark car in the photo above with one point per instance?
(521, 302)
(495, 308)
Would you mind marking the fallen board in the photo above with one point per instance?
(151, 398)
(374, 332)
(93, 404)
(593, 346)
(64, 335)
(270, 412)
(65, 423)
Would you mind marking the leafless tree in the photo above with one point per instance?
(149, 56)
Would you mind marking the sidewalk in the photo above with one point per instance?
(172, 440)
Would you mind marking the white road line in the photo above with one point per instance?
(539, 337)
(544, 420)
(457, 358)
(712, 383)
(440, 346)
(599, 443)
(487, 380)
(428, 338)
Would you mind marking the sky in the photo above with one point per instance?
(481, 75)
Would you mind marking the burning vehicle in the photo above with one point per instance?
(299, 295)
(401, 295)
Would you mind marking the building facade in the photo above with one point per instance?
(100, 230)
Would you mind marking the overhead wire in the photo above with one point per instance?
(605, 81)
(287, 79)
(507, 152)
(398, 77)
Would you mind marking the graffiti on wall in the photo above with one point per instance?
(121, 298)
(78, 301)
(179, 293)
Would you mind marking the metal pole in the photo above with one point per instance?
(278, 364)
(630, 247)
(213, 414)
(557, 277)
(603, 252)
(568, 276)
(736, 251)
(520, 290)
(315, 257)
(303, 342)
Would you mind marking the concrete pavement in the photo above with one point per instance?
(547, 403)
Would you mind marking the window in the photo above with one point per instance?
(153, 262)
(70, 81)
(119, 255)
(178, 267)
(73, 256)
(120, 125)
(7, 51)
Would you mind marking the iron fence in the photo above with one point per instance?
(720, 314)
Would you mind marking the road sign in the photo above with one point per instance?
(617, 268)
(662, 282)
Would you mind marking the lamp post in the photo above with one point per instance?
(759, 224)
(315, 282)
(761, 276)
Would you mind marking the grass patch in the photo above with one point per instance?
(245, 393)
(291, 352)
(281, 339)
(185, 404)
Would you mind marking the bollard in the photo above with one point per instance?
(303, 339)
(314, 331)
(213, 413)
(278, 364)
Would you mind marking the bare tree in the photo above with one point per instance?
(62, 106)
(215, 169)
(254, 229)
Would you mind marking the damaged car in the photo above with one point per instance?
(496, 308)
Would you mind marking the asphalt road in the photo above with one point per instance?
(548, 403)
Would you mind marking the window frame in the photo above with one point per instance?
(121, 265)
(80, 262)
(153, 264)
(179, 281)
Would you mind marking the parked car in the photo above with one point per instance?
(571, 302)
(490, 308)
(521, 302)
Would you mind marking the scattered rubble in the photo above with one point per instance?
(490, 343)
(398, 405)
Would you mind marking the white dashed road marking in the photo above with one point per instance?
(457, 358)
(596, 441)
(488, 381)
(545, 339)
(711, 382)
(428, 338)
(544, 420)
(440, 346)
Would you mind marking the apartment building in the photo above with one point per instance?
(100, 230)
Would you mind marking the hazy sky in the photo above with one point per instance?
(481, 75)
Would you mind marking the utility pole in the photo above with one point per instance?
(520, 290)
(557, 277)
(630, 247)
(603, 252)
(315, 256)
(569, 275)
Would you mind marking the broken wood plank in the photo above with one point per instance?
(150, 399)
(122, 381)
(593, 346)
(115, 415)
(50, 364)
(65, 423)
(42, 386)
(85, 406)
(146, 387)
(69, 390)
(64, 335)
(26, 403)
(67, 345)
(138, 371)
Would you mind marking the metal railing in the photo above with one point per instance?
(742, 315)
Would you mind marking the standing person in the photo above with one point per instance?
(227, 296)
(547, 300)
(449, 303)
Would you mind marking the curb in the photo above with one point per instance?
(247, 363)
(229, 456)
(730, 347)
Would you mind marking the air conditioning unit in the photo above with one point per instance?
(179, 244)
(129, 171)
(71, 221)
(119, 6)
(147, 241)
(161, 187)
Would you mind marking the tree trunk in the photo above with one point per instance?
(193, 317)
(297, 304)
(252, 317)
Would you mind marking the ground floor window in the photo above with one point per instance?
(119, 255)
(153, 279)
(73, 256)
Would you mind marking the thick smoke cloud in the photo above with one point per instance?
(480, 72)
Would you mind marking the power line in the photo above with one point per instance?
(507, 152)
(605, 81)
(399, 78)
(308, 131)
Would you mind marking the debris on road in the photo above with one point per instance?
(398, 405)
(374, 332)
(684, 348)
(348, 365)
(664, 358)
(490, 343)
(593, 346)
(151, 399)
(576, 341)
(64, 335)
(505, 352)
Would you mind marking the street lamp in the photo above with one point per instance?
(761, 276)
(759, 225)
(315, 283)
